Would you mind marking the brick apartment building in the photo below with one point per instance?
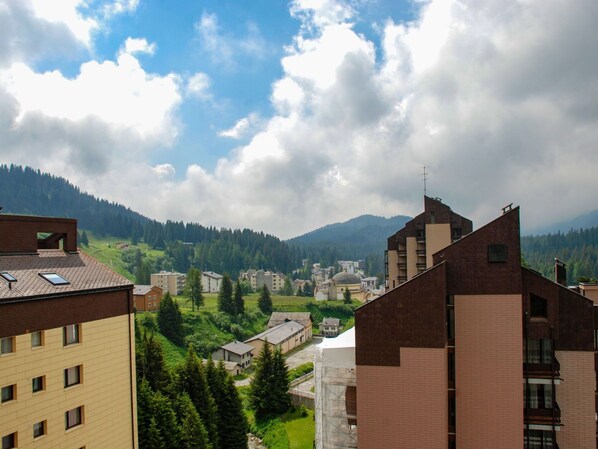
(67, 355)
(410, 250)
(477, 352)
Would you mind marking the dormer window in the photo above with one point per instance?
(54, 279)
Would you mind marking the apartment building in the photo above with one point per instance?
(258, 278)
(477, 352)
(147, 298)
(169, 281)
(410, 249)
(67, 355)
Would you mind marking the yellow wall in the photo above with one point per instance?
(106, 392)
(393, 270)
(411, 257)
(438, 236)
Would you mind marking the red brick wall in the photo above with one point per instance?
(18, 234)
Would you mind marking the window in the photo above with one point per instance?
(70, 334)
(72, 376)
(538, 396)
(497, 252)
(538, 307)
(73, 418)
(38, 384)
(37, 339)
(7, 345)
(54, 279)
(39, 429)
(539, 351)
(9, 393)
(8, 277)
(538, 439)
(9, 441)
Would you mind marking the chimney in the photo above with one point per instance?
(560, 272)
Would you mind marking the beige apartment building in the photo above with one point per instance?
(410, 250)
(67, 355)
(258, 278)
(169, 281)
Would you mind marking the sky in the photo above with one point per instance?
(283, 116)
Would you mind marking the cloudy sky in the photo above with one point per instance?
(286, 116)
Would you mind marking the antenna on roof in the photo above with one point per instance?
(425, 176)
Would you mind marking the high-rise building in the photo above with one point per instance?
(67, 346)
(410, 249)
(169, 281)
(477, 352)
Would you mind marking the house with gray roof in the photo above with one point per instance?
(235, 351)
(303, 318)
(330, 327)
(285, 337)
(210, 281)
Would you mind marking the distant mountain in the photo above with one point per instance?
(359, 238)
(584, 221)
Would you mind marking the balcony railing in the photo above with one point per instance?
(548, 416)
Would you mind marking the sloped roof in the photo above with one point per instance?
(212, 274)
(83, 272)
(237, 347)
(331, 322)
(143, 289)
(279, 333)
(277, 318)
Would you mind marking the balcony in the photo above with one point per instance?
(402, 253)
(546, 416)
(420, 252)
(543, 369)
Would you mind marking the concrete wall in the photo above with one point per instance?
(411, 257)
(438, 236)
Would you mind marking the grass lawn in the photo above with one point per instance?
(301, 430)
(173, 355)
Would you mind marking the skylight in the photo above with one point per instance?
(54, 279)
(7, 276)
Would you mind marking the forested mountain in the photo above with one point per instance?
(576, 248)
(585, 221)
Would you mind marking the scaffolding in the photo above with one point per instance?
(335, 393)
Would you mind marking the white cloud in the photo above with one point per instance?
(242, 127)
(164, 170)
(198, 85)
(116, 7)
(136, 45)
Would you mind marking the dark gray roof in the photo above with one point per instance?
(277, 318)
(331, 322)
(212, 274)
(345, 278)
(142, 289)
(238, 347)
(279, 333)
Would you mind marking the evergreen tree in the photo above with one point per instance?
(225, 296)
(191, 378)
(150, 363)
(299, 292)
(238, 299)
(193, 434)
(265, 301)
(281, 400)
(84, 239)
(143, 273)
(307, 291)
(170, 320)
(157, 424)
(347, 296)
(232, 423)
(287, 289)
(193, 288)
(260, 386)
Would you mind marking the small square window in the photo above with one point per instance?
(39, 429)
(497, 252)
(538, 307)
(9, 441)
(72, 376)
(71, 334)
(7, 345)
(73, 418)
(37, 339)
(38, 384)
(54, 279)
(9, 393)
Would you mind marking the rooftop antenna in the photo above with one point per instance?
(425, 176)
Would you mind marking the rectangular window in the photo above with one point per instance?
(39, 429)
(73, 418)
(71, 334)
(9, 393)
(7, 345)
(539, 351)
(9, 441)
(38, 384)
(54, 279)
(538, 307)
(72, 376)
(497, 252)
(37, 339)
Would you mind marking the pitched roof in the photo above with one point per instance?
(277, 318)
(279, 333)
(237, 347)
(142, 289)
(83, 273)
(331, 322)
(212, 274)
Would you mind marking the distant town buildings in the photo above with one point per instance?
(147, 297)
(210, 281)
(168, 281)
(237, 352)
(259, 278)
(67, 354)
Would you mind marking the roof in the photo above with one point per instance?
(331, 321)
(212, 274)
(344, 278)
(143, 289)
(237, 347)
(277, 318)
(279, 333)
(83, 273)
(228, 365)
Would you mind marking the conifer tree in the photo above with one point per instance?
(191, 378)
(225, 296)
(232, 424)
(265, 301)
(260, 386)
(84, 239)
(287, 289)
(238, 299)
(281, 400)
(193, 288)
(157, 424)
(170, 320)
(193, 434)
(150, 363)
(347, 296)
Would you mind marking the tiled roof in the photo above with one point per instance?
(83, 273)
(142, 289)
(212, 274)
(279, 333)
(331, 321)
(237, 347)
(280, 317)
